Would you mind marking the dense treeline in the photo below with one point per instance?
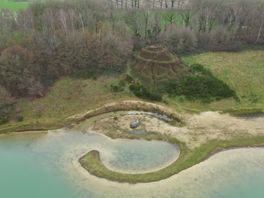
(6, 105)
(55, 39)
(217, 25)
(153, 4)
(87, 37)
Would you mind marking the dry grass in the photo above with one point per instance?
(66, 98)
(70, 96)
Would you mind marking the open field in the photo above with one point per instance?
(12, 5)
(242, 71)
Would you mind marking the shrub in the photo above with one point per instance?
(4, 96)
(138, 90)
(7, 105)
(3, 119)
(201, 84)
(199, 69)
(129, 78)
(19, 118)
(117, 87)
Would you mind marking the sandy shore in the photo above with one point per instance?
(198, 128)
(81, 152)
(195, 130)
(223, 167)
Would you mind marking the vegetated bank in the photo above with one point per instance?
(188, 158)
(124, 105)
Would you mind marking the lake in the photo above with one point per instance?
(45, 165)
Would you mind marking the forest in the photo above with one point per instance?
(86, 39)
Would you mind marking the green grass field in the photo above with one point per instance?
(13, 5)
(242, 71)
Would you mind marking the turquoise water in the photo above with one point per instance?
(247, 178)
(34, 165)
(41, 166)
(25, 174)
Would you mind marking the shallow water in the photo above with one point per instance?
(45, 166)
(35, 165)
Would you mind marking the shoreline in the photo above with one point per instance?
(105, 181)
(137, 105)
(188, 156)
(207, 156)
(158, 168)
(41, 132)
(186, 160)
(125, 105)
(205, 177)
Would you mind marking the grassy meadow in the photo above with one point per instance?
(243, 71)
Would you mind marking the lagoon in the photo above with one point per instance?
(44, 165)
